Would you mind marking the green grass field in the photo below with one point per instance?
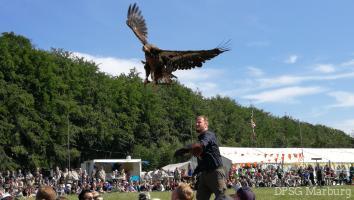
(316, 193)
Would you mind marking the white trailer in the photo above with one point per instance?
(130, 166)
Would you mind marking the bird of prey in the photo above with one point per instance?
(161, 63)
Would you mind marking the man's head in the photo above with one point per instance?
(46, 193)
(182, 192)
(201, 124)
(244, 193)
(86, 195)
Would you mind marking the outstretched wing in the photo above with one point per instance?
(175, 60)
(137, 23)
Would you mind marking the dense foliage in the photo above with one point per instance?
(47, 97)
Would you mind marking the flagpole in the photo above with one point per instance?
(302, 144)
(68, 134)
(253, 125)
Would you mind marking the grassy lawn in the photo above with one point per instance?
(317, 193)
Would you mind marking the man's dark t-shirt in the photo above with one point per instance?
(210, 159)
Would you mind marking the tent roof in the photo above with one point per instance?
(116, 160)
(290, 155)
(172, 167)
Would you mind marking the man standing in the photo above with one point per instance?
(211, 173)
(351, 174)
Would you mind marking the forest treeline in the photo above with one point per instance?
(48, 97)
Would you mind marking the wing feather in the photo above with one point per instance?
(182, 60)
(136, 22)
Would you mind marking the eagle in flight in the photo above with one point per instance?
(161, 63)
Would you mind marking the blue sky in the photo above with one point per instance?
(288, 57)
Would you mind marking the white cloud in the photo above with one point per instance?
(201, 79)
(197, 74)
(254, 85)
(114, 66)
(208, 89)
(345, 125)
(254, 71)
(292, 80)
(325, 68)
(348, 63)
(291, 59)
(344, 99)
(239, 88)
(279, 81)
(284, 95)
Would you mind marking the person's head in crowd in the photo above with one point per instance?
(182, 192)
(144, 196)
(244, 193)
(96, 195)
(46, 193)
(86, 195)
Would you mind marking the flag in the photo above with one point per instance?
(253, 124)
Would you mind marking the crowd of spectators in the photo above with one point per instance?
(276, 176)
(26, 184)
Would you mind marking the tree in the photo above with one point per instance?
(47, 95)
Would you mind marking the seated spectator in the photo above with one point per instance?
(86, 195)
(46, 193)
(131, 188)
(182, 192)
(107, 186)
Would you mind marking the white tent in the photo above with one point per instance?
(131, 166)
(287, 156)
(180, 166)
(242, 155)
